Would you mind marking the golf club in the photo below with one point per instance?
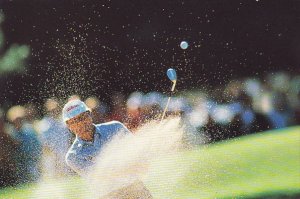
(171, 73)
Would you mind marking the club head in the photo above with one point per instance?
(171, 73)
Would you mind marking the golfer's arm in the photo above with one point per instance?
(79, 164)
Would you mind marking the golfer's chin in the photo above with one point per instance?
(79, 131)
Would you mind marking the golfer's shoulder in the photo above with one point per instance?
(112, 126)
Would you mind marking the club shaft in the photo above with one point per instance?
(173, 87)
(169, 99)
(165, 110)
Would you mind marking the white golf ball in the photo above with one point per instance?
(184, 45)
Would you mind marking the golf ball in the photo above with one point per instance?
(184, 45)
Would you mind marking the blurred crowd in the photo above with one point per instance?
(34, 140)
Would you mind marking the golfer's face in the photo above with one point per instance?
(81, 123)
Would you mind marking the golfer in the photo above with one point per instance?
(90, 139)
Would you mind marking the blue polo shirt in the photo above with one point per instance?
(82, 154)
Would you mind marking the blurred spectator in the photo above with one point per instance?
(55, 139)
(212, 131)
(99, 109)
(31, 116)
(235, 127)
(151, 106)
(133, 110)
(74, 97)
(233, 90)
(297, 111)
(294, 99)
(279, 114)
(28, 150)
(246, 113)
(7, 154)
(118, 112)
(199, 115)
(31, 113)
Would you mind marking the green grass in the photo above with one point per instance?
(260, 165)
(72, 187)
(16, 192)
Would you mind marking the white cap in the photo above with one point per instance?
(74, 108)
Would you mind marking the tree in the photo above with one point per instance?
(13, 59)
